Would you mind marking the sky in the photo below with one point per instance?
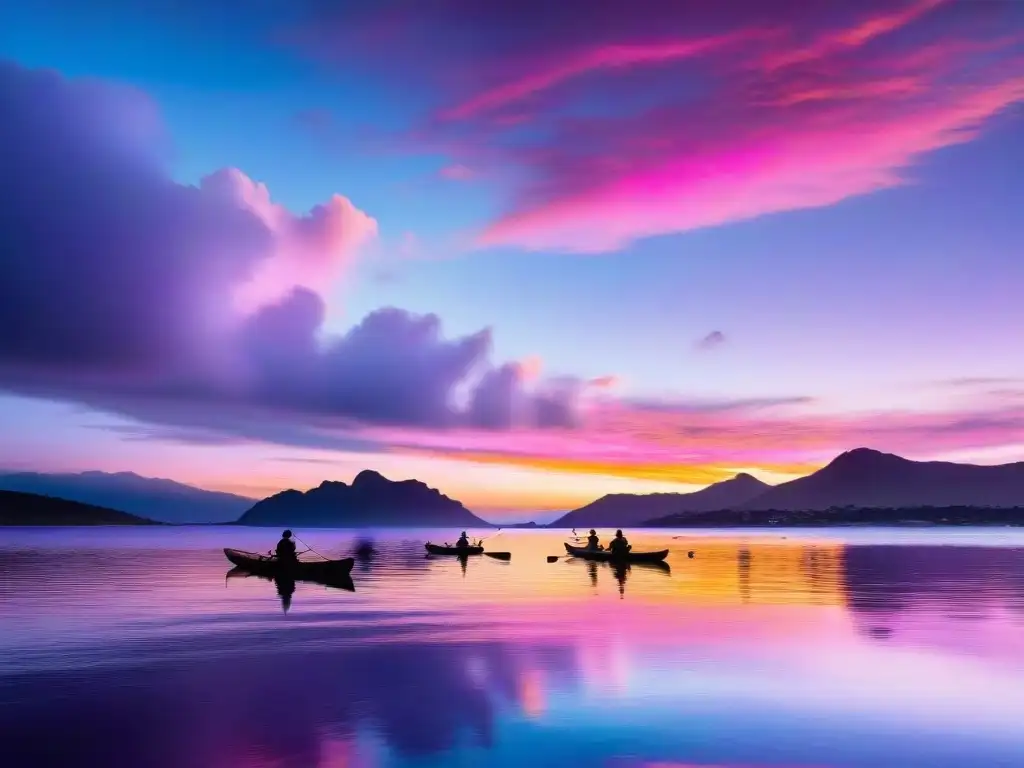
(526, 254)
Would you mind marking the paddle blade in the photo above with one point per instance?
(499, 555)
(552, 558)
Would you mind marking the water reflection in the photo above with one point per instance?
(966, 598)
(758, 652)
(743, 566)
(269, 708)
(620, 571)
(285, 586)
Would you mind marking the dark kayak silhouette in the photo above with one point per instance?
(606, 556)
(437, 549)
(268, 565)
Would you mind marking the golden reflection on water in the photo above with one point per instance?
(723, 571)
(730, 572)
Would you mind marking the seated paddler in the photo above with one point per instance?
(619, 545)
(286, 548)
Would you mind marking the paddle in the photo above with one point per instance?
(308, 548)
(495, 555)
(485, 538)
(556, 558)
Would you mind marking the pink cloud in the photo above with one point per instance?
(859, 34)
(829, 156)
(606, 134)
(530, 368)
(604, 382)
(608, 127)
(309, 251)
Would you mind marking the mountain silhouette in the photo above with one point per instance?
(619, 509)
(17, 508)
(157, 499)
(869, 478)
(371, 500)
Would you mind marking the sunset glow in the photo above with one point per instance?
(529, 264)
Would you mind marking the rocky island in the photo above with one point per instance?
(371, 500)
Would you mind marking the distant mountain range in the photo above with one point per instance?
(861, 478)
(18, 508)
(624, 509)
(857, 479)
(371, 500)
(867, 478)
(157, 499)
(864, 479)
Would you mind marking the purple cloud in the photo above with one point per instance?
(198, 307)
(713, 340)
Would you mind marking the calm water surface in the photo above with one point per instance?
(130, 647)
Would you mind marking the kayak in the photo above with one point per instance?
(267, 565)
(605, 556)
(436, 549)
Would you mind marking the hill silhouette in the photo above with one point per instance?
(17, 508)
(867, 478)
(621, 509)
(154, 498)
(371, 500)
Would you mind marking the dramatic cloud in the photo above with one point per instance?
(198, 307)
(656, 117)
(110, 266)
(199, 312)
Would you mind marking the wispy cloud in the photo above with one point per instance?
(601, 57)
(970, 382)
(607, 129)
(705, 442)
(303, 460)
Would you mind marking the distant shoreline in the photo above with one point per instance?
(846, 517)
(30, 510)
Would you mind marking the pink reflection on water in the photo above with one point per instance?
(338, 752)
